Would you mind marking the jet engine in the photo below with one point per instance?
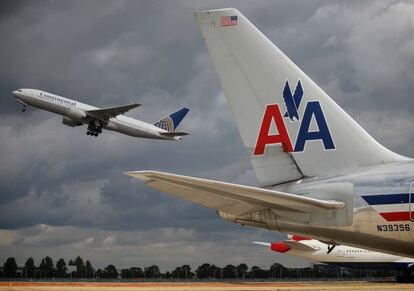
(75, 114)
(70, 122)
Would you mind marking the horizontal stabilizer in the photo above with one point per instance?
(221, 195)
(173, 134)
(262, 243)
(107, 113)
(287, 245)
(295, 245)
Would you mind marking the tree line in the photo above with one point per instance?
(78, 268)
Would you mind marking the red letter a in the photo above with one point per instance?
(272, 112)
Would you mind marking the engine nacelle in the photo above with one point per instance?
(75, 114)
(70, 122)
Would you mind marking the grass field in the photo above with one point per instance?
(201, 286)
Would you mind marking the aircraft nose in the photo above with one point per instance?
(17, 93)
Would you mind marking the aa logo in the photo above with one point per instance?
(272, 115)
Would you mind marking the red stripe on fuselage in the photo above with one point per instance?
(397, 216)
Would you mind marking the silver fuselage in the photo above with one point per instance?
(367, 229)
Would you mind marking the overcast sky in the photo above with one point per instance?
(62, 192)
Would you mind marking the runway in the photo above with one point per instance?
(202, 286)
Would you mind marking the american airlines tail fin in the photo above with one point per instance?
(289, 126)
(171, 122)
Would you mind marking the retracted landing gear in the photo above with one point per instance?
(94, 128)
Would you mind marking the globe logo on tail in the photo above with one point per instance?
(167, 124)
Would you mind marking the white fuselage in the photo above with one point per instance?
(347, 256)
(340, 255)
(74, 112)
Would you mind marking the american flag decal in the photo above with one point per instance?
(229, 20)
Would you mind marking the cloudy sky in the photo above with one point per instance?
(62, 192)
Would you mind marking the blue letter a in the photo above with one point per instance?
(313, 108)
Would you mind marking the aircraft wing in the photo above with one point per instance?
(174, 133)
(232, 198)
(107, 113)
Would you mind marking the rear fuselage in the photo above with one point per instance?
(382, 205)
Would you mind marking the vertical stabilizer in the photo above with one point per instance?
(290, 127)
(171, 122)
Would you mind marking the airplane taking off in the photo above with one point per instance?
(76, 113)
(342, 256)
(321, 175)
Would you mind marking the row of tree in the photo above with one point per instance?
(78, 268)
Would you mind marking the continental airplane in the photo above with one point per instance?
(76, 113)
(342, 256)
(321, 175)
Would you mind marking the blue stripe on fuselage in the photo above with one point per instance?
(388, 198)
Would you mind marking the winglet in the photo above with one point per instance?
(171, 122)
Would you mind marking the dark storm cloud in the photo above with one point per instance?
(67, 188)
